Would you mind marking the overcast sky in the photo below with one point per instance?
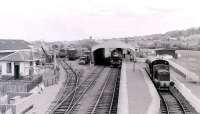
(53, 20)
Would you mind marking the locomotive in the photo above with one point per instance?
(158, 70)
(116, 59)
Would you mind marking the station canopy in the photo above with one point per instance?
(113, 44)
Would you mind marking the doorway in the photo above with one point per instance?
(16, 71)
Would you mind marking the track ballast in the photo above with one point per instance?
(173, 102)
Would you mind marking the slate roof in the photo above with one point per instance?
(20, 56)
(6, 44)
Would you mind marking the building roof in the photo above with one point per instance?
(6, 44)
(5, 54)
(113, 44)
(20, 56)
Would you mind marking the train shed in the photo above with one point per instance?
(171, 52)
(102, 52)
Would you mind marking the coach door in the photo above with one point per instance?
(16, 70)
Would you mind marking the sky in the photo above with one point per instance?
(67, 20)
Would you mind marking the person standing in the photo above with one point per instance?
(134, 62)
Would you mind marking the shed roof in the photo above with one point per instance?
(20, 56)
(6, 44)
(113, 44)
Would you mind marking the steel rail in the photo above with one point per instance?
(77, 82)
(62, 92)
(113, 96)
(169, 93)
(178, 100)
(101, 93)
(165, 104)
(83, 93)
(109, 77)
(68, 96)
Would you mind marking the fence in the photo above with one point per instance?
(51, 76)
(35, 82)
(51, 81)
(18, 85)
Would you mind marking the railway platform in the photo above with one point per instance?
(190, 90)
(137, 94)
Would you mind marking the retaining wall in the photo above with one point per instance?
(188, 75)
(194, 101)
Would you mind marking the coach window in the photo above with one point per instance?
(9, 68)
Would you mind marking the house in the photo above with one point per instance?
(17, 59)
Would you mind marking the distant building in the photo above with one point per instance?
(162, 52)
(17, 59)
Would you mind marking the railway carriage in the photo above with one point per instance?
(158, 70)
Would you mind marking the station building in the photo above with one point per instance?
(16, 59)
(102, 51)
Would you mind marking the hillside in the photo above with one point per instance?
(179, 39)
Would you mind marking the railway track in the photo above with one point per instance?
(69, 84)
(70, 100)
(105, 100)
(172, 102)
